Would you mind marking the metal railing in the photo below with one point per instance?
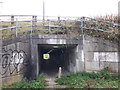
(17, 23)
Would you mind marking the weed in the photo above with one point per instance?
(38, 83)
(103, 79)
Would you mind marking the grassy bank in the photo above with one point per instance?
(84, 79)
(38, 83)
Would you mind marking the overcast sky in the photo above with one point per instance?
(59, 7)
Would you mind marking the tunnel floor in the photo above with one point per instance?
(59, 57)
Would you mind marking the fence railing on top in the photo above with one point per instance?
(17, 25)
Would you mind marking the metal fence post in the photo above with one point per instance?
(49, 26)
(34, 19)
(82, 25)
(65, 27)
(35, 22)
(58, 19)
(12, 24)
(31, 26)
(96, 25)
(16, 27)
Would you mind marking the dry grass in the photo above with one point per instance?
(72, 28)
(110, 18)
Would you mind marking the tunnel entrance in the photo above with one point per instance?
(58, 56)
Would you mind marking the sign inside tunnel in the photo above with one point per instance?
(46, 56)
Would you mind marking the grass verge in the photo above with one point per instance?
(84, 79)
(38, 83)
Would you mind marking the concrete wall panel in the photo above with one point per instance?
(99, 54)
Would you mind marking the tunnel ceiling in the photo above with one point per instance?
(49, 46)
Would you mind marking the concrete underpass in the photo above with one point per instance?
(73, 55)
(60, 56)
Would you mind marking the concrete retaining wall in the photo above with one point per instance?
(20, 57)
(100, 54)
(15, 56)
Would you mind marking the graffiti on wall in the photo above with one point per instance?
(106, 56)
(12, 61)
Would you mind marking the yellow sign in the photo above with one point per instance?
(46, 56)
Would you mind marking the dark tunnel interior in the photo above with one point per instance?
(59, 57)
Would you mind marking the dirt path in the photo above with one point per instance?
(52, 84)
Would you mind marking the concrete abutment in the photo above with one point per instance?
(73, 55)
